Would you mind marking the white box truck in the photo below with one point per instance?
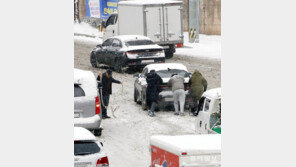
(159, 20)
(186, 151)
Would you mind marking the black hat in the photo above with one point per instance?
(109, 72)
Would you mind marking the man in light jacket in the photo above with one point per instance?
(177, 84)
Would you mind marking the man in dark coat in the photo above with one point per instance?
(106, 81)
(198, 85)
(154, 82)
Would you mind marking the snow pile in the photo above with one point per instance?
(84, 28)
(209, 46)
(86, 33)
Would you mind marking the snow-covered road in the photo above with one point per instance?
(126, 137)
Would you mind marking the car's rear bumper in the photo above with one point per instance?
(144, 61)
(166, 100)
(90, 123)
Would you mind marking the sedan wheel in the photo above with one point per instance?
(93, 61)
(118, 66)
(144, 105)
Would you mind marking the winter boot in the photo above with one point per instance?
(176, 113)
(149, 113)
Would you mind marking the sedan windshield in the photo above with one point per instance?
(168, 73)
(85, 148)
(138, 42)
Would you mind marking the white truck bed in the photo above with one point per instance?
(160, 20)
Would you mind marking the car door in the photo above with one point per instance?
(104, 52)
(114, 51)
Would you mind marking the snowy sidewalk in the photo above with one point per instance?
(209, 46)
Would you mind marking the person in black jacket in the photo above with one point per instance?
(106, 81)
(154, 82)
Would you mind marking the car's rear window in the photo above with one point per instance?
(85, 147)
(138, 42)
(78, 91)
(168, 73)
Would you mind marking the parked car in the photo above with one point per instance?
(87, 109)
(165, 71)
(209, 111)
(127, 51)
(88, 151)
(185, 151)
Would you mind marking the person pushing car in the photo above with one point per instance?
(177, 84)
(198, 85)
(154, 82)
(106, 81)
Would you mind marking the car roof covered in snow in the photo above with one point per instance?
(213, 93)
(148, 2)
(165, 66)
(131, 37)
(83, 134)
(87, 81)
(191, 144)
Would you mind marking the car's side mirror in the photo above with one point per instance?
(101, 143)
(99, 46)
(137, 76)
(189, 74)
(103, 24)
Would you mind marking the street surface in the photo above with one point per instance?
(126, 136)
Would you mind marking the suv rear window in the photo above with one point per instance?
(78, 91)
(85, 147)
(138, 42)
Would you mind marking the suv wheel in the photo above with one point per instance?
(98, 132)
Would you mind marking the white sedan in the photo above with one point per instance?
(88, 151)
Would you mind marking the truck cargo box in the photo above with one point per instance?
(186, 151)
(159, 20)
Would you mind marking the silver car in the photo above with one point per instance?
(87, 109)
(88, 151)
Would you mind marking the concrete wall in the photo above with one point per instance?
(82, 10)
(210, 17)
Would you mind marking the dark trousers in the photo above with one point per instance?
(106, 98)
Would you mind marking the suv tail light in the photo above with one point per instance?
(98, 106)
(179, 45)
(103, 162)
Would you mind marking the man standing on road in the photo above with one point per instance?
(177, 84)
(154, 82)
(198, 85)
(106, 81)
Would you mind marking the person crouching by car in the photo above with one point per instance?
(154, 82)
(106, 81)
(177, 84)
(198, 85)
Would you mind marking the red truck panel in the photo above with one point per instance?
(162, 157)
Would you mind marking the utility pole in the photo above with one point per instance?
(76, 11)
(193, 6)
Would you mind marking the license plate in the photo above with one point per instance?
(147, 61)
(168, 99)
(76, 115)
